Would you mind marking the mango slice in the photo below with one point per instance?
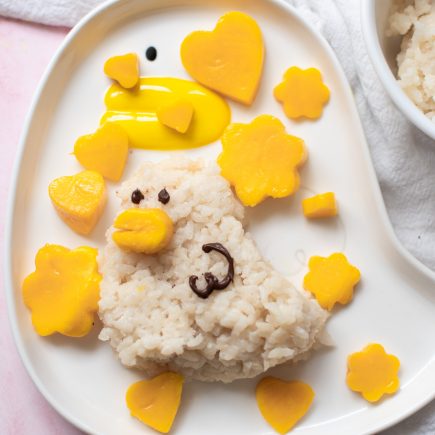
(145, 231)
(372, 372)
(124, 69)
(260, 159)
(155, 402)
(63, 292)
(320, 206)
(176, 115)
(136, 112)
(302, 93)
(331, 280)
(104, 151)
(79, 199)
(283, 403)
(228, 59)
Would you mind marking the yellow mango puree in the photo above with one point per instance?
(136, 111)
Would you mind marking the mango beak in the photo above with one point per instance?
(145, 231)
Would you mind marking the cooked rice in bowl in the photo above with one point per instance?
(415, 21)
(153, 319)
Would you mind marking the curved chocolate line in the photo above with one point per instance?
(212, 282)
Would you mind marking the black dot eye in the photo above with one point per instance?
(151, 53)
(164, 196)
(137, 196)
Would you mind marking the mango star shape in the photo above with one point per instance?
(372, 372)
(302, 93)
(63, 292)
(260, 159)
(331, 280)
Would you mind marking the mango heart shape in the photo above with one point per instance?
(283, 403)
(145, 231)
(104, 151)
(176, 115)
(79, 199)
(124, 69)
(155, 401)
(228, 59)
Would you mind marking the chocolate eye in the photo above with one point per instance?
(164, 196)
(151, 53)
(137, 196)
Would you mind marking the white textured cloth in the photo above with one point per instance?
(404, 158)
(53, 12)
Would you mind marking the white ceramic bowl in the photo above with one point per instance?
(382, 51)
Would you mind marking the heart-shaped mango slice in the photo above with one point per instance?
(124, 69)
(155, 401)
(176, 115)
(228, 59)
(79, 199)
(283, 403)
(104, 151)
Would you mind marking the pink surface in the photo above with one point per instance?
(25, 52)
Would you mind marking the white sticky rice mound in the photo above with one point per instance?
(155, 322)
(415, 21)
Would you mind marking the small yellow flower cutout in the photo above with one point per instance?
(302, 93)
(372, 372)
(331, 280)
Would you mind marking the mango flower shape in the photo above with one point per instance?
(63, 292)
(260, 159)
(331, 280)
(372, 372)
(302, 93)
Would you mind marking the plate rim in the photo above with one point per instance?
(16, 171)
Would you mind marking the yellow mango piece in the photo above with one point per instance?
(135, 111)
(372, 372)
(320, 206)
(302, 93)
(331, 280)
(145, 231)
(228, 59)
(104, 151)
(283, 403)
(79, 199)
(177, 115)
(63, 292)
(155, 401)
(124, 69)
(260, 159)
